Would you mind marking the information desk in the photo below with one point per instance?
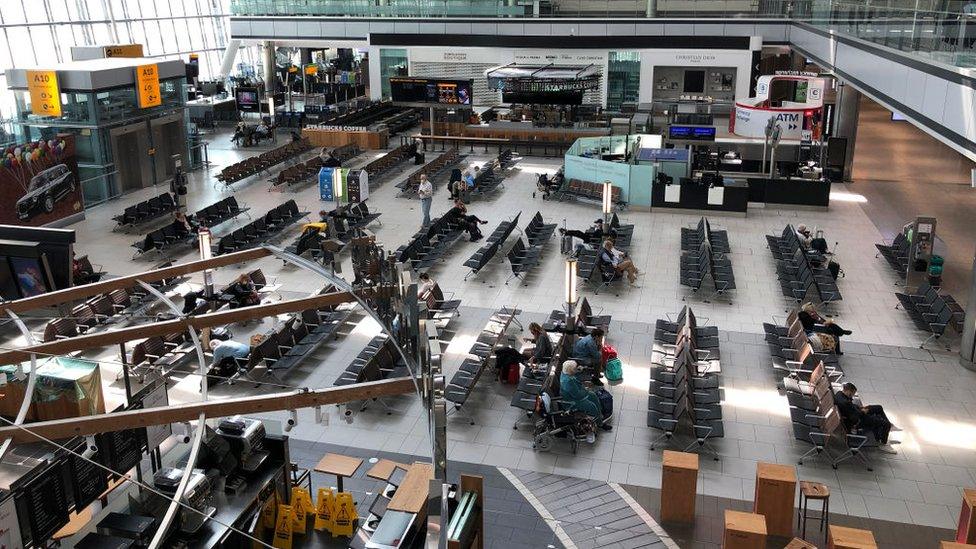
(219, 109)
(790, 192)
(732, 196)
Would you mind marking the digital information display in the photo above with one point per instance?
(47, 504)
(406, 89)
(692, 133)
(123, 449)
(90, 481)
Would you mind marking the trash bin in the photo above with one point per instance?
(935, 275)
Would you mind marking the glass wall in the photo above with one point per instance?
(43, 32)
(393, 62)
(623, 78)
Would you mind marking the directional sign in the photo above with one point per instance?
(147, 84)
(126, 50)
(44, 93)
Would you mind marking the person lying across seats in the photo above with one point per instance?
(594, 235)
(469, 222)
(224, 353)
(619, 261)
(865, 418)
(588, 351)
(576, 397)
(813, 323)
(542, 351)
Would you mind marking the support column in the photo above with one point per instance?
(967, 348)
(845, 121)
(652, 8)
(230, 55)
(269, 66)
(306, 57)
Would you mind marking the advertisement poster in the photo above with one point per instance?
(39, 182)
(10, 537)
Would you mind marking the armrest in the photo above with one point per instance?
(819, 438)
(671, 424)
(855, 441)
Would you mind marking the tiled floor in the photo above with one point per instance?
(927, 393)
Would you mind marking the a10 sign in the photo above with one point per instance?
(147, 86)
(44, 93)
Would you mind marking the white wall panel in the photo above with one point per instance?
(285, 28)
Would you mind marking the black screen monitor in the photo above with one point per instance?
(8, 285)
(694, 82)
(30, 276)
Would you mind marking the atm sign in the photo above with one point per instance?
(44, 93)
(147, 86)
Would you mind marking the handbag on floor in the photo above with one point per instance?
(614, 370)
(606, 402)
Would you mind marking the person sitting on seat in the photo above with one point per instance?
(454, 184)
(243, 293)
(866, 418)
(239, 132)
(575, 397)
(262, 131)
(542, 352)
(618, 260)
(804, 235)
(184, 224)
(814, 323)
(425, 287)
(227, 350)
(593, 235)
(328, 159)
(588, 351)
(469, 222)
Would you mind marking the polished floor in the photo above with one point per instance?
(931, 397)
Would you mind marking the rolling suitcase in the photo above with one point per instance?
(565, 242)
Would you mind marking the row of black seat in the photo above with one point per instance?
(261, 229)
(691, 239)
(377, 361)
(146, 211)
(588, 265)
(408, 187)
(430, 243)
(793, 354)
(697, 265)
(801, 271)
(523, 258)
(474, 364)
(685, 381)
(492, 174)
(440, 310)
(495, 240)
(931, 311)
(586, 321)
(176, 233)
(384, 164)
(896, 253)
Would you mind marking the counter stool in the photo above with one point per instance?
(812, 491)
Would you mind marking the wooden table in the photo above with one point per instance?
(841, 537)
(774, 497)
(338, 465)
(679, 486)
(797, 543)
(382, 469)
(966, 529)
(744, 530)
(411, 495)
(955, 545)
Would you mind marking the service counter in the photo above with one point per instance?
(789, 192)
(526, 131)
(366, 140)
(731, 197)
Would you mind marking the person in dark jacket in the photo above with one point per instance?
(542, 352)
(813, 322)
(469, 222)
(867, 418)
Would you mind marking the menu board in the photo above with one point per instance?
(409, 89)
(122, 449)
(89, 481)
(46, 503)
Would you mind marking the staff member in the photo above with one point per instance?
(425, 191)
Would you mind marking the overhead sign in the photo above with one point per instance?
(44, 93)
(409, 89)
(126, 50)
(663, 155)
(692, 133)
(796, 73)
(752, 121)
(147, 84)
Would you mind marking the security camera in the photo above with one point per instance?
(348, 416)
(92, 447)
(187, 432)
(292, 420)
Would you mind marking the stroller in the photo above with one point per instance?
(548, 186)
(555, 423)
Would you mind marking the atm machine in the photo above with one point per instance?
(921, 235)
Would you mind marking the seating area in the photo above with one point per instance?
(896, 253)
(408, 187)
(575, 189)
(495, 240)
(522, 259)
(476, 361)
(257, 164)
(691, 239)
(261, 229)
(377, 361)
(801, 271)
(793, 355)
(83, 272)
(384, 164)
(586, 321)
(932, 312)
(685, 382)
(352, 218)
(588, 266)
(307, 172)
(145, 211)
(441, 310)
(705, 263)
(817, 421)
(534, 381)
(492, 174)
(430, 244)
(538, 232)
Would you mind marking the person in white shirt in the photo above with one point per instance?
(426, 285)
(425, 191)
(804, 235)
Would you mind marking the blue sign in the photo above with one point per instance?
(325, 184)
(663, 155)
(692, 133)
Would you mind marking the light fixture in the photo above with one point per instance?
(337, 186)
(270, 105)
(570, 281)
(607, 194)
(205, 241)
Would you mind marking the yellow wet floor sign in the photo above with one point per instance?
(268, 513)
(299, 512)
(345, 515)
(282, 536)
(323, 513)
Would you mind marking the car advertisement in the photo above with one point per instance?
(39, 182)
